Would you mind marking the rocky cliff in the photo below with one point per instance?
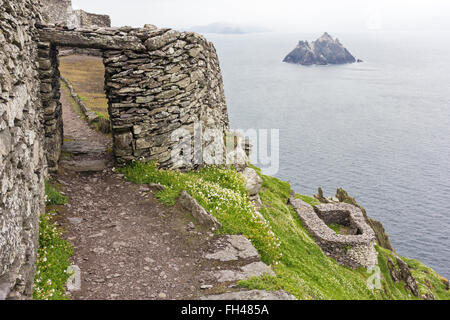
(324, 50)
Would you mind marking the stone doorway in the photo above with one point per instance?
(74, 84)
(156, 82)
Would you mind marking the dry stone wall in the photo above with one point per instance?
(92, 19)
(50, 94)
(158, 82)
(22, 161)
(61, 11)
(354, 250)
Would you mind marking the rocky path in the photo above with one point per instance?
(128, 245)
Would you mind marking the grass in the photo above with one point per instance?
(53, 196)
(53, 253)
(309, 200)
(306, 272)
(300, 266)
(220, 191)
(428, 280)
(52, 262)
(335, 227)
(86, 74)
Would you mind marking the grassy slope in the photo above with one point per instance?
(301, 267)
(87, 74)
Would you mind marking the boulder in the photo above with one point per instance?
(200, 214)
(254, 181)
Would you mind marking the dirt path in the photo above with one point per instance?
(128, 245)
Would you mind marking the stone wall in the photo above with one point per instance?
(157, 81)
(61, 11)
(22, 162)
(50, 94)
(91, 19)
(353, 250)
(58, 11)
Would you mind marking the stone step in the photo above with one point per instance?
(251, 295)
(84, 165)
(82, 147)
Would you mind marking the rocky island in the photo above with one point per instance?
(323, 51)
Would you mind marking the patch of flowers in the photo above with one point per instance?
(222, 192)
(52, 262)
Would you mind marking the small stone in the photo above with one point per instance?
(149, 260)
(162, 295)
(75, 221)
(206, 286)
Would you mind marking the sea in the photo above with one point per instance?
(379, 129)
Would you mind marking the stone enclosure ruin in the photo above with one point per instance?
(157, 81)
(353, 249)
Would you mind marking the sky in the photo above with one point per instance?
(279, 15)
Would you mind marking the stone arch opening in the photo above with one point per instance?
(157, 81)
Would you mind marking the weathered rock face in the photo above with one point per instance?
(324, 50)
(400, 271)
(22, 162)
(162, 86)
(61, 11)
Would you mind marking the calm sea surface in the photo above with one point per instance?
(379, 129)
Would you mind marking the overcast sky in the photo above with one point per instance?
(279, 15)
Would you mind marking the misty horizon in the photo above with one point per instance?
(279, 16)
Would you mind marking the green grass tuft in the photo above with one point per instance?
(52, 262)
(53, 196)
(309, 200)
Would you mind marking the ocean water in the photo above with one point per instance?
(379, 129)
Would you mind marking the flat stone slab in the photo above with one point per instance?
(235, 247)
(254, 269)
(78, 148)
(198, 212)
(85, 165)
(252, 295)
